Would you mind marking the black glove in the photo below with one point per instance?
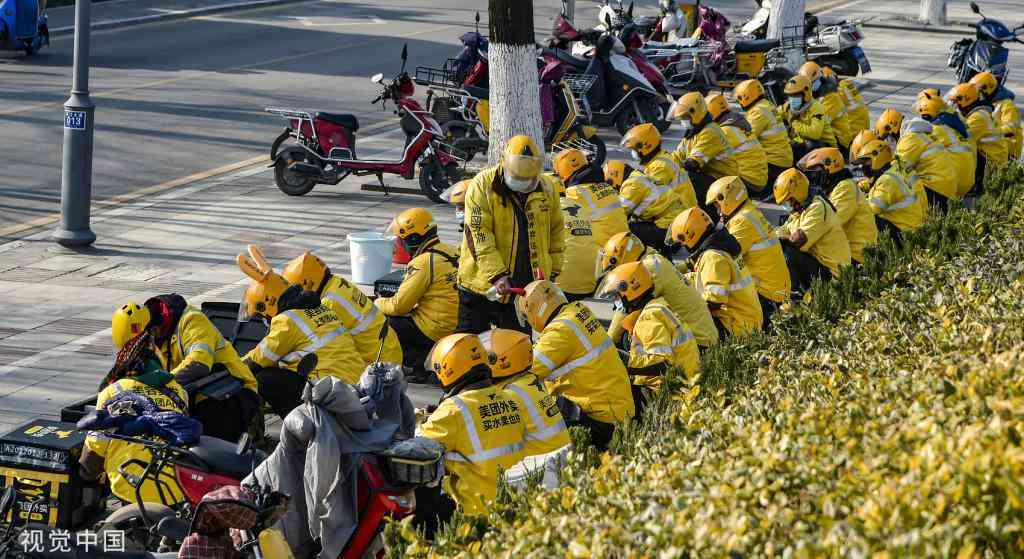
(691, 165)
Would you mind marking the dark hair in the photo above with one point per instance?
(129, 359)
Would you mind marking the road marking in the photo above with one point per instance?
(197, 75)
(164, 186)
(839, 6)
(309, 22)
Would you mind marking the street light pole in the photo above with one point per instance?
(76, 168)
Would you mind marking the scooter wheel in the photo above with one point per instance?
(435, 179)
(289, 182)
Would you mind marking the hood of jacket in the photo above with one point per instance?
(588, 175)
(720, 239)
(732, 118)
(295, 298)
(954, 122)
(1002, 94)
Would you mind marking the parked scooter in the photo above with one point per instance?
(985, 51)
(320, 148)
(23, 25)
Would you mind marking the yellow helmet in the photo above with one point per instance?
(128, 321)
(263, 294)
(985, 82)
(455, 356)
(717, 105)
(411, 222)
(689, 228)
(828, 72)
(929, 107)
(642, 139)
(457, 193)
(828, 159)
(619, 249)
(728, 192)
(862, 139)
(929, 93)
(810, 70)
(538, 302)
(748, 92)
(876, 153)
(510, 352)
(616, 171)
(568, 161)
(798, 85)
(691, 107)
(964, 95)
(522, 160)
(791, 184)
(307, 270)
(631, 283)
(889, 123)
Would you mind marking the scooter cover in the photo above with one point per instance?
(26, 18)
(986, 55)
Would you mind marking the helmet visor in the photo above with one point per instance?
(523, 167)
(600, 266)
(245, 313)
(520, 305)
(608, 289)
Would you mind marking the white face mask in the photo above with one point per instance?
(795, 103)
(816, 85)
(787, 207)
(634, 154)
(520, 185)
(460, 216)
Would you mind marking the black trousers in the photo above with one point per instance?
(600, 432)
(477, 313)
(885, 225)
(807, 146)
(979, 177)
(773, 173)
(433, 508)
(936, 199)
(226, 419)
(803, 268)
(651, 235)
(701, 184)
(723, 332)
(573, 297)
(415, 344)
(768, 308)
(281, 389)
(640, 397)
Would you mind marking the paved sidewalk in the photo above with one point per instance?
(105, 14)
(903, 14)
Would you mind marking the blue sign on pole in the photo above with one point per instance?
(74, 120)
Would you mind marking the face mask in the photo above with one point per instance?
(787, 207)
(816, 85)
(686, 125)
(892, 144)
(520, 185)
(617, 305)
(634, 154)
(795, 103)
(460, 216)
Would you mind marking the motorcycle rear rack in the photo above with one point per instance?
(296, 114)
(436, 77)
(588, 148)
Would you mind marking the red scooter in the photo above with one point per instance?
(320, 148)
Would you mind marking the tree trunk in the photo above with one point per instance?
(786, 21)
(933, 12)
(512, 57)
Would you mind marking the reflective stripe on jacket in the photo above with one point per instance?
(835, 108)
(929, 161)
(649, 201)
(298, 332)
(761, 251)
(962, 155)
(771, 132)
(826, 239)
(860, 116)
(812, 124)
(749, 156)
(893, 199)
(607, 216)
(363, 321)
(710, 149)
(664, 169)
(659, 336)
(545, 428)
(854, 213)
(989, 138)
(428, 291)
(197, 340)
(722, 281)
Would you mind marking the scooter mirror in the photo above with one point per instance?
(975, 8)
(377, 78)
(477, 18)
(629, 12)
(405, 52)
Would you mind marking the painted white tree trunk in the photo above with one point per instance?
(785, 17)
(933, 12)
(514, 98)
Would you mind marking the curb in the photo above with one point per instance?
(184, 14)
(920, 28)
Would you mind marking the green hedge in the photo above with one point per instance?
(881, 418)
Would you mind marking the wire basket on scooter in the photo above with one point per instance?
(437, 77)
(580, 84)
(588, 149)
(415, 461)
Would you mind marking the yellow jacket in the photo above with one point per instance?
(297, 332)
(710, 148)
(854, 213)
(578, 270)
(987, 136)
(428, 293)
(491, 235)
(812, 124)
(749, 156)
(576, 359)
(646, 200)
(665, 169)
(762, 252)
(363, 321)
(659, 336)
(771, 133)
(826, 240)
(962, 155)
(722, 281)
(196, 340)
(607, 217)
(860, 117)
(681, 297)
(117, 453)
(545, 429)
(893, 199)
(929, 161)
(835, 108)
(1006, 117)
(482, 431)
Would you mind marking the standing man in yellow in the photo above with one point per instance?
(1005, 114)
(766, 126)
(643, 142)
(808, 122)
(704, 149)
(759, 247)
(585, 183)
(992, 146)
(749, 155)
(577, 361)
(826, 170)
(514, 234)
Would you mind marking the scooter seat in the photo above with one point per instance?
(573, 61)
(346, 120)
(755, 45)
(477, 92)
(222, 457)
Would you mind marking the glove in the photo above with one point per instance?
(692, 165)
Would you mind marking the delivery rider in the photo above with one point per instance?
(659, 339)
(897, 202)
(856, 110)
(192, 346)
(137, 374)
(577, 279)
(585, 183)
(727, 287)
(456, 196)
(919, 153)
(300, 324)
(1005, 114)
(806, 118)
(425, 307)
(669, 284)
(750, 156)
(643, 143)
(704, 148)
(952, 133)
(992, 147)
(514, 233)
(651, 206)
(481, 426)
(767, 127)
(826, 91)
(759, 247)
(576, 359)
(826, 171)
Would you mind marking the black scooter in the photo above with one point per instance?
(985, 51)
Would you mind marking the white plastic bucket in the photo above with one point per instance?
(371, 255)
